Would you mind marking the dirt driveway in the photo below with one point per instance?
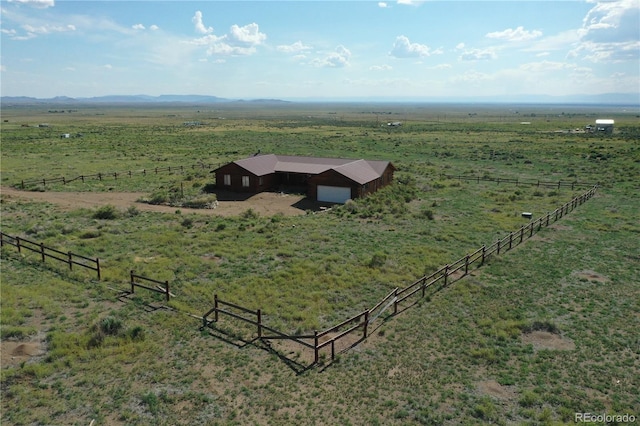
(264, 203)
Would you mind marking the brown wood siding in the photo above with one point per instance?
(236, 172)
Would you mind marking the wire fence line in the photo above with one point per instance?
(25, 184)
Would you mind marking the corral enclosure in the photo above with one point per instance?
(311, 271)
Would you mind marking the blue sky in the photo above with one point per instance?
(319, 49)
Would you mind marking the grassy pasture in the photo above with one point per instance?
(473, 353)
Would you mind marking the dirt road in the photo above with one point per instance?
(265, 203)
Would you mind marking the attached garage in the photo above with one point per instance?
(333, 194)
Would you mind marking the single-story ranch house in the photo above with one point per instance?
(332, 180)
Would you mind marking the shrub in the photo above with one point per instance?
(378, 260)
(158, 197)
(110, 325)
(137, 334)
(209, 188)
(202, 202)
(250, 214)
(107, 212)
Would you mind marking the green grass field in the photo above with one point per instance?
(540, 333)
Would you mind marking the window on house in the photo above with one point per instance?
(227, 180)
(245, 181)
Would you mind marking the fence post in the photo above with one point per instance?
(395, 301)
(259, 314)
(82, 177)
(366, 323)
(70, 261)
(548, 215)
(510, 239)
(98, 268)
(530, 229)
(484, 249)
(133, 287)
(215, 306)
(521, 233)
(446, 274)
(22, 184)
(42, 251)
(100, 176)
(18, 244)
(166, 286)
(333, 349)
(498, 251)
(64, 182)
(315, 346)
(466, 265)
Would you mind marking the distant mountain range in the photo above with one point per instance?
(129, 99)
(631, 99)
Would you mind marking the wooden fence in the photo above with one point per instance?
(114, 175)
(517, 182)
(148, 282)
(361, 322)
(48, 252)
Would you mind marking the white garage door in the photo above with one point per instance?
(333, 194)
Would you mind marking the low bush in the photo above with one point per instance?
(107, 212)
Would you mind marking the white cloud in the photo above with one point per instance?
(241, 41)
(154, 27)
(138, 27)
(38, 4)
(383, 67)
(383, 4)
(519, 34)
(459, 46)
(107, 66)
(547, 66)
(403, 48)
(478, 55)
(296, 47)
(248, 35)
(411, 2)
(199, 25)
(610, 32)
(336, 59)
(3, 68)
(47, 28)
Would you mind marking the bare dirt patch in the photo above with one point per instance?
(591, 276)
(496, 390)
(13, 353)
(547, 340)
(264, 203)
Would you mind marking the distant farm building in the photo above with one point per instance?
(602, 125)
(333, 180)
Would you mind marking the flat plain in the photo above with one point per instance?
(539, 333)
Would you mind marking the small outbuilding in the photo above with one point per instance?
(604, 125)
(333, 180)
